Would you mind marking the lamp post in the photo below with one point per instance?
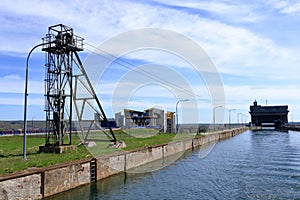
(214, 115)
(242, 119)
(229, 117)
(25, 99)
(238, 117)
(177, 112)
(245, 119)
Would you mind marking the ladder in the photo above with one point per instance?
(93, 170)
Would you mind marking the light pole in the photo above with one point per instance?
(229, 117)
(245, 119)
(238, 117)
(214, 115)
(242, 119)
(177, 112)
(25, 99)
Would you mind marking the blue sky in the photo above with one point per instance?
(254, 45)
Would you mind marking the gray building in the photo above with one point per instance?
(150, 118)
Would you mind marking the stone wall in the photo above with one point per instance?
(110, 165)
(39, 183)
(66, 178)
(27, 187)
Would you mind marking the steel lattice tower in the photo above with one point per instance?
(61, 47)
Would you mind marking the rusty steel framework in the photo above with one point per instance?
(65, 90)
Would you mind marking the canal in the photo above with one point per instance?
(252, 165)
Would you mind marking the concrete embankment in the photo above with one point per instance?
(40, 183)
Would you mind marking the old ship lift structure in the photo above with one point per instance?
(68, 90)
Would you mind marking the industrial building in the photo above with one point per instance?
(150, 118)
(272, 115)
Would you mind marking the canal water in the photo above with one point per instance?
(252, 165)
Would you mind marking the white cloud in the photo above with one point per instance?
(286, 6)
(12, 77)
(231, 11)
(275, 93)
(15, 84)
(241, 97)
(235, 48)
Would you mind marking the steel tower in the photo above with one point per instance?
(61, 84)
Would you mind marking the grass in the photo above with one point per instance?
(141, 132)
(11, 148)
(138, 142)
(132, 139)
(11, 154)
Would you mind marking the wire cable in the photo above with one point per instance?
(129, 66)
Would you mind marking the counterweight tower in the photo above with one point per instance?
(61, 84)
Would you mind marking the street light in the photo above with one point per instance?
(242, 119)
(229, 116)
(25, 99)
(238, 117)
(214, 115)
(177, 112)
(245, 119)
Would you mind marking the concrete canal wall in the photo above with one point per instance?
(40, 183)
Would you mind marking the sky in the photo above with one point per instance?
(253, 45)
